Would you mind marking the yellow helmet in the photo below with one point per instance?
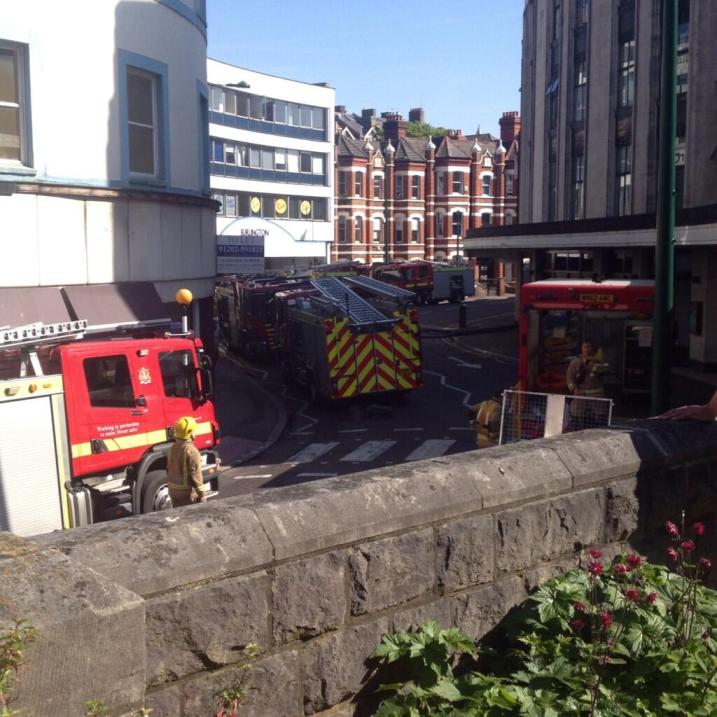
(185, 427)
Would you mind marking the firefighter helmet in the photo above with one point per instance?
(184, 428)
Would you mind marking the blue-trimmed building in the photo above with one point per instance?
(271, 159)
(104, 146)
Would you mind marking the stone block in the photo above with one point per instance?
(347, 709)
(622, 511)
(326, 513)
(465, 553)
(273, 687)
(90, 641)
(161, 551)
(391, 571)
(336, 665)
(600, 455)
(477, 611)
(207, 626)
(540, 532)
(309, 597)
(533, 579)
(165, 702)
(411, 618)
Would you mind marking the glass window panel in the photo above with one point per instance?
(377, 186)
(294, 115)
(280, 112)
(140, 105)
(317, 164)
(320, 209)
(242, 155)
(256, 110)
(9, 133)
(217, 150)
(267, 207)
(319, 118)
(243, 204)
(229, 153)
(269, 110)
(217, 97)
(108, 382)
(305, 116)
(304, 162)
(267, 158)
(242, 104)
(280, 159)
(141, 149)
(281, 207)
(219, 197)
(358, 230)
(231, 204)
(293, 160)
(294, 211)
(254, 157)
(230, 103)
(179, 375)
(8, 76)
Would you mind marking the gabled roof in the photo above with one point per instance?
(350, 121)
(411, 149)
(449, 148)
(347, 147)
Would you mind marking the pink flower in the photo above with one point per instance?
(579, 607)
(595, 568)
(698, 529)
(633, 595)
(595, 553)
(705, 565)
(672, 554)
(634, 561)
(688, 545)
(606, 619)
(620, 569)
(671, 529)
(577, 625)
(651, 598)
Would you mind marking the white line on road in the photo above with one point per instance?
(353, 430)
(462, 364)
(368, 451)
(431, 448)
(316, 475)
(461, 428)
(466, 394)
(312, 452)
(396, 430)
(256, 475)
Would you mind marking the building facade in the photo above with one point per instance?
(590, 94)
(415, 197)
(115, 192)
(272, 156)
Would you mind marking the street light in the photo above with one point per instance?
(184, 299)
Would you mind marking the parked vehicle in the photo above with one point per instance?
(431, 281)
(86, 423)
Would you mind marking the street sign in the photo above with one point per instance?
(242, 253)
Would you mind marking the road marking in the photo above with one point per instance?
(312, 452)
(431, 448)
(353, 430)
(462, 364)
(255, 475)
(316, 475)
(461, 428)
(369, 451)
(466, 394)
(397, 430)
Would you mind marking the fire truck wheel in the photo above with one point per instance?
(155, 493)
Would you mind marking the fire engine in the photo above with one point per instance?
(86, 423)
(349, 336)
(431, 281)
(340, 268)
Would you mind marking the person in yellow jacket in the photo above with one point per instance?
(486, 420)
(184, 466)
(584, 378)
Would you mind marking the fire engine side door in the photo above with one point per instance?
(108, 406)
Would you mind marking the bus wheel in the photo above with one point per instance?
(155, 492)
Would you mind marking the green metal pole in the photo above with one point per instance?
(662, 337)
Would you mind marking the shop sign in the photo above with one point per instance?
(241, 252)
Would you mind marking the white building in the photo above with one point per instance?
(104, 183)
(272, 158)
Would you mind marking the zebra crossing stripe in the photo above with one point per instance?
(312, 452)
(432, 448)
(369, 451)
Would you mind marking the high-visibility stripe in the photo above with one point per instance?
(136, 440)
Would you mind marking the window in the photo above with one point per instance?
(378, 186)
(509, 218)
(577, 197)
(342, 184)
(305, 162)
(509, 185)
(230, 103)
(267, 158)
(255, 157)
(415, 231)
(280, 160)
(217, 99)
(256, 107)
(108, 382)
(680, 186)
(580, 91)
(294, 115)
(415, 187)
(280, 112)
(439, 225)
(681, 117)
(219, 197)
(624, 179)
(626, 80)
(441, 183)
(242, 155)
(179, 374)
(358, 230)
(485, 219)
(377, 231)
(457, 182)
(230, 204)
(342, 230)
(581, 11)
(398, 231)
(229, 153)
(319, 209)
(358, 184)
(317, 164)
(305, 116)
(457, 228)
(319, 118)
(683, 21)
(142, 122)
(399, 186)
(14, 127)
(242, 104)
(217, 150)
(486, 179)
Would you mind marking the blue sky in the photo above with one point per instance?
(458, 60)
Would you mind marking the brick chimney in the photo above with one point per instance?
(368, 119)
(341, 109)
(509, 127)
(394, 127)
(417, 114)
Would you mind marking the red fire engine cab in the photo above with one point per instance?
(86, 423)
(430, 281)
(614, 315)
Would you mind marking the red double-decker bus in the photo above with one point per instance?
(614, 315)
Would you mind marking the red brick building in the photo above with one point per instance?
(415, 198)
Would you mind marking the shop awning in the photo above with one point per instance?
(19, 307)
(106, 306)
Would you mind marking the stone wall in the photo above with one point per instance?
(156, 610)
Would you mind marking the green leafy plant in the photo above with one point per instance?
(232, 696)
(619, 639)
(13, 643)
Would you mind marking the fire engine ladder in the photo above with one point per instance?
(29, 336)
(381, 288)
(359, 310)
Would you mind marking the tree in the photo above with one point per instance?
(423, 129)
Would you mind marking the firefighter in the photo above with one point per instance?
(584, 379)
(184, 466)
(485, 418)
